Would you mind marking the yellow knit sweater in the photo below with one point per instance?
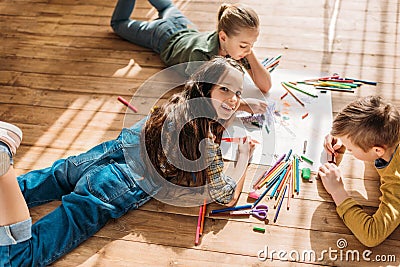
(373, 230)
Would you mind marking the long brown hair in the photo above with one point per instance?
(174, 132)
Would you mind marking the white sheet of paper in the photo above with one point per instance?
(287, 129)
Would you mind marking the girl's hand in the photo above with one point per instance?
(246, 146)
(331, 177)
(253, 105)
(332, 144)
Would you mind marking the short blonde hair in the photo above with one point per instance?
(232, 18)
(368, 122)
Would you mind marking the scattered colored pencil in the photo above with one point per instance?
(291, 93)
(279, 206)
(197, 238)
(203, 216)
(236, 140)
(126, 103)
(299, 89)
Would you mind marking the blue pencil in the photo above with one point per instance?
(278, 183)
(288, 155)
(297, 173)
(232, 209)
(280, 205)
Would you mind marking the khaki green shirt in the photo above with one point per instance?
(372, 230)
(190, 45)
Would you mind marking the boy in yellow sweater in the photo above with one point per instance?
(370, 129)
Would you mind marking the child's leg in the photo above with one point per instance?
(135, 31)
(13, 207)
(15, 222)
(104, 193)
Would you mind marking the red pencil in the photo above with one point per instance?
(202, 217)
(126, 103)
(236, 140)
(196, 241)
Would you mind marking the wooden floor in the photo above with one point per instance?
(62, 68)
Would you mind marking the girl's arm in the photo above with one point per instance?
(225, 187)
(241, 165)
(259, 74)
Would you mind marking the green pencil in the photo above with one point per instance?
(307, 160)
(300, 90)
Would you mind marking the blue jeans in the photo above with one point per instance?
(149, 34)
(93, 187)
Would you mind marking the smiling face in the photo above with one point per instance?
(238, 46)
(226, 94)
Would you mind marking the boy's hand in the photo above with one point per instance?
(332, 180)
(332, 144)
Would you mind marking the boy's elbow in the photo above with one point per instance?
(371, 242)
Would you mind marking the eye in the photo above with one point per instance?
(243, 46)
(238, 93)
(225, 89)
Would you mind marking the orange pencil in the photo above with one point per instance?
(290, 189)
(287, 176)
(278, 169)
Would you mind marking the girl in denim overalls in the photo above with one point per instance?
(122, 174)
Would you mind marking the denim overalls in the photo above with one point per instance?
(94, 187)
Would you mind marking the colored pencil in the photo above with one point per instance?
(293, 179)
(307, 160)
(197, 238)
(277, 172)
(283, 96)
(279, 206)
(126, 103)
(290, 189)
(281, 176)
(288, 154)
(300, 90)
(268, 171)
(267, 188)
(297, 174)
(293, 95)
(334, 89)
(231, 209)
(203, 216)
(363, 81)
(236, 140)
